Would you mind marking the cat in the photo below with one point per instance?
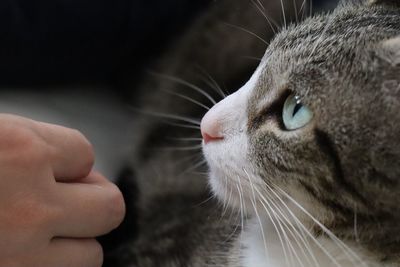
(304, 157)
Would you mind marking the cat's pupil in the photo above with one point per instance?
(297, 108)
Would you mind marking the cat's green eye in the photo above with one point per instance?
(295, 115)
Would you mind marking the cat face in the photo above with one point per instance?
(318, 123)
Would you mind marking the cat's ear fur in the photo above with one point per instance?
(391, 50)
(384, 2)
(370, 2)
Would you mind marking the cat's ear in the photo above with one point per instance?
(384, 2)
(391, 50)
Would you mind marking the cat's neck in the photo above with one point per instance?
(262, 247)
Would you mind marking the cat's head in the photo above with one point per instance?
(319, 121)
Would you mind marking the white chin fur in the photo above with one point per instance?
(228, 166)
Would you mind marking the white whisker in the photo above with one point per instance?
(193, 167)
(259, 219)
(303, 9)
(292, 249)
(169, 116)
(284, 14)
(187, 84)
(253, 58)
(349, 252)
(184, 139)
(260, 4)
(183, 148)
(183, 125)
(249, 32)
(294, 231)
(295, 11)
(241, 207)
(205, 201)
(188, 99)
(213, 83)
(226, 205)
(270, 21)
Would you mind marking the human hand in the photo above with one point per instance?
(52, 205)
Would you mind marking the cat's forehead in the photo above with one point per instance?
(325, 47)
(354, 28)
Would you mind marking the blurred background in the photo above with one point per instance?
(76, 62)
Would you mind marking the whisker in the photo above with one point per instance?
(303, 9)
(185, 159)
(184, 139)
(253, 58)
(295, 11)
(212, 83)
(168, 116)
(284, 14)
(187, 84)
(349, 252)
(237, 225)
(305, 229)
(294, 232)
(253, 201)
(183, 125)
(272, 221)
(241, 207)
(249, 32)
(260, 4)
(270, 21)
(187, 98)
(200, 173)
(205, 201)
(193, 167)
(184, 148)
(288, 229)
(241, 189)
(226, 205)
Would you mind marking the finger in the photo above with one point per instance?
(88, 210)
(71, 154)
(94, 177)
(71, 252)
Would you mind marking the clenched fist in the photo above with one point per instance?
(52, 205)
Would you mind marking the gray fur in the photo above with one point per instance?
(345, 67)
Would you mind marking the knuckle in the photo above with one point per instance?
(23, 146)
(18, 137)
(87, 150)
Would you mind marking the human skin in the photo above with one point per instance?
(52, 204)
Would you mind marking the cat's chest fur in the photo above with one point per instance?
(298, 248)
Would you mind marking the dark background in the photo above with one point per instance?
(57, 42)
(48, 42)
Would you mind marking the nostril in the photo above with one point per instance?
(211, 127)
(208, 138)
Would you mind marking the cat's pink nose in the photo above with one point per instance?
(211, 128)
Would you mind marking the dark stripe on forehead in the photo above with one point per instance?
(327, 147)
